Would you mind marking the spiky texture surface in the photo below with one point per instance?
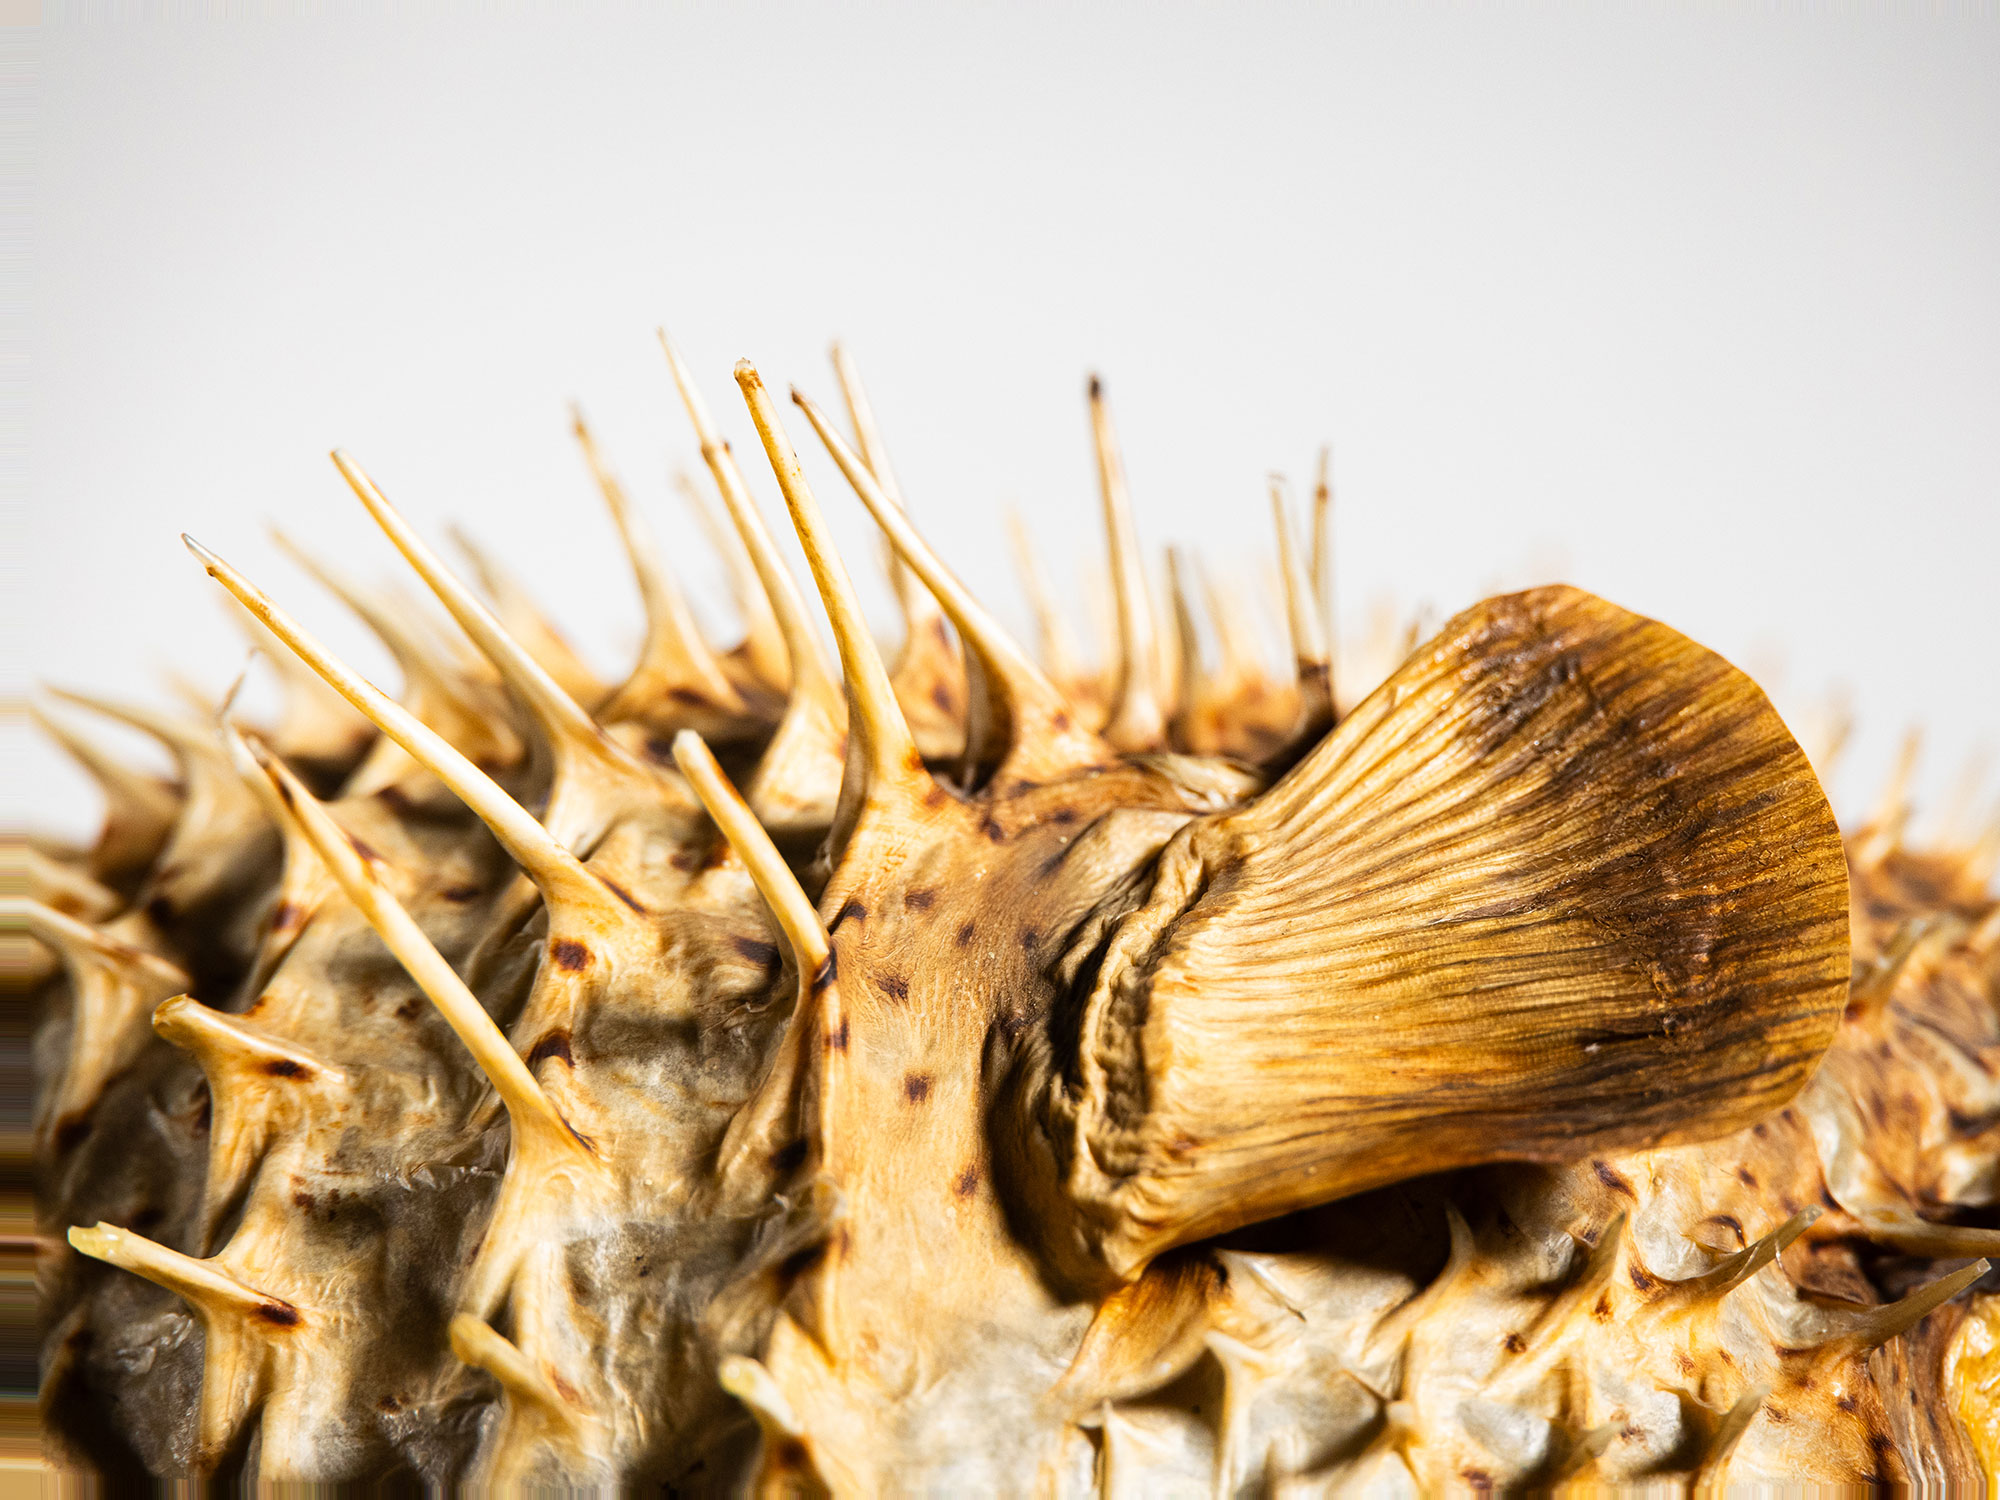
(1141, 1081)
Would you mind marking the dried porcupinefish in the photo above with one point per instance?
(1030, 1081)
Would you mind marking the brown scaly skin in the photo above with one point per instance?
(1120, 1087)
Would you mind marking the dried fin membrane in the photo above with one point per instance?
(964, 1070)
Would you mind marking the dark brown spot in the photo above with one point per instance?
(161, 910)
(563, 1388)
(966, 1183)
(687, 695)
(72, 1133)
(836, 1039)
(1612, 1180)
(789, 1454)
(964, 935)
(285, 916)
(989, 826)
(788, 1156)
(460, 893)
(1729, 1222)
(410, 1009)
(1029, 939)
(364, 850)
(917, 1087)
(147, 1217)
(388, 1403)
(1846, 1402)
(660, 748)
(1060, 719)
(895, 986)
(622, 894)
(852, 909)
(568, 955)
(304, 1201)
(1062, 817)
(1683, 1362)
(764, 955)
(1641, 1280)
(799, 1262)
(1743, 1176)
(1602, 1311)
(1513, 1343)
(204, 1108)
(282, 1314)
(555, 1044)
(941, 696)
(919, 900)
(828, 972)
(284, 1067)
(1479, 1479)
(1778, 1414)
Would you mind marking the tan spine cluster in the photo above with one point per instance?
(1033, 1080)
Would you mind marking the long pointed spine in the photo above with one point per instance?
(424, 669)
(181, 736)
(205, 1286)
(763, 643)
(884, 771)
(476, 1343)
(57, 885)
(219, 1035)
(139, 809)
(1136, 721)
(1053, 637)
(570, 731)
(809, 666)
(819, 1014)
(527, 1105)
(1040, 715)
(1194, 682)
(558, 715)
(1321, 567)
(78, 943)
(1753, 1257)
(521, 617)
(1878, 1325)
(1315, 676)
(920, 610)
(547, 862)
(675, 645)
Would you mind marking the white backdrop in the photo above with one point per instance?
(1698, 310)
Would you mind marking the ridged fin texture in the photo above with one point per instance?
(1564, 882)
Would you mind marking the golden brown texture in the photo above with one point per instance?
(1564, 883)
(558, 1116)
